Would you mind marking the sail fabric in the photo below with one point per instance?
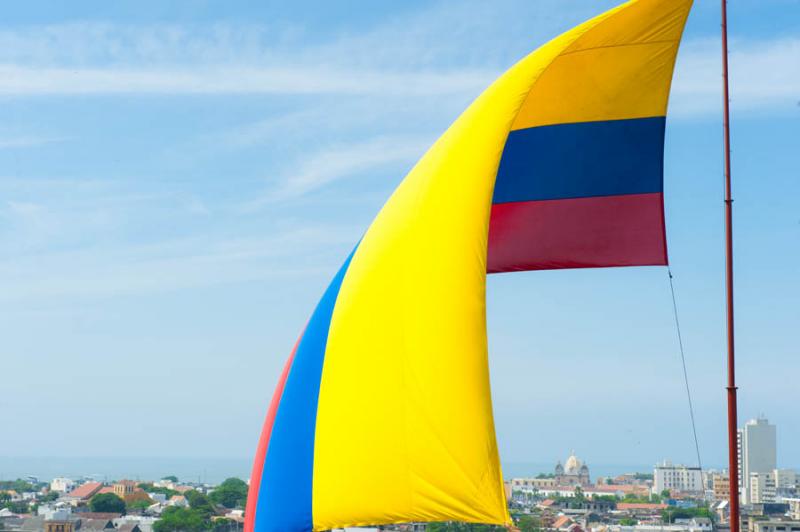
(384, 414)
(580, 182)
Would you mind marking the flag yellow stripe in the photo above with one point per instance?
(622, 69)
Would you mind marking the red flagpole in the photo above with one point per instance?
(733, 454)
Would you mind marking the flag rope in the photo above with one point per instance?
(683, 363)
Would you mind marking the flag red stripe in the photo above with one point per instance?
(594, 232)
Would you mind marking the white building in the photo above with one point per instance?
(794, 508)
(757, 453)
(158, 497)
(698, 524)
(762, 487)
(785, 479)
(775, 525)
(667, 476)
(55, 512)
(62, 485)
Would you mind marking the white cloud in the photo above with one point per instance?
(446, 48)
(27, 142)
(411, 57)
(17, 80)
(334, 163)
(763, 75)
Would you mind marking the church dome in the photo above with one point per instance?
(573, 465)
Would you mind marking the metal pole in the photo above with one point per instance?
(733, 454)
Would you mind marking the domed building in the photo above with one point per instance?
(572, 473)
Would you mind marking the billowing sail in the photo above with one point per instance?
(383, 413)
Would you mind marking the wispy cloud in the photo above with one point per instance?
(334, 163)
(423, 52)
(20, 80)
(764, 74)
(27, 141)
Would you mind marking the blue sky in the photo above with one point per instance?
(179, 181)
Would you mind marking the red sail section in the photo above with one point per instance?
(601, 231)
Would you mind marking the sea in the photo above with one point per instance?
(211, 470)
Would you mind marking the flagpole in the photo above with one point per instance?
(733, 455)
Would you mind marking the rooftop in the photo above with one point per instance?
(85, 491)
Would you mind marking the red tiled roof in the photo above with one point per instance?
(85, 491)
(547, 502)
(640, 506)
(106, 489)
(561, 521)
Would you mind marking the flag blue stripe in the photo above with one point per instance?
(587, 159)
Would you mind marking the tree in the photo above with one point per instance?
(665, 494)
(529, 523)
(230, 494)
(50, 497)
(139, 505)
(176, 519)
(671, 514)
(224, 525)
(20, 486)
(18, 507)
(200, 503)
(107, 502)
(628, 521)
(171, 478)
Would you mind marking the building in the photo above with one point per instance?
(124, 488)
(794, 508)
(762, 488)
(667, 476)
(638, 508)
(59, 526)
(84, 492)
(770, 487)
(532, 484)
(757, 453)
(773, 525)
(720, 484)
(573, 473)
(697, 524)
(785, 479)
(62, 485)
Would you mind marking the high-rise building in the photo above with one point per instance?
(757, 454)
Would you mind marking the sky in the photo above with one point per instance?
(180, 180)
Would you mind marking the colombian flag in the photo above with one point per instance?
(383, 413)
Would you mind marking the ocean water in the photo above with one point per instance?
(204, 470)
(212, 470)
